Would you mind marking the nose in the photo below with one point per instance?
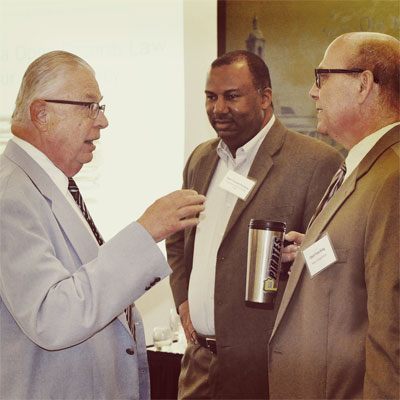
(220, 106)
(314, 92)
(101, 120)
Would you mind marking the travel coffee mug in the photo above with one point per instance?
(265, 242)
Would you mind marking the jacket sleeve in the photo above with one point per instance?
(382, 372)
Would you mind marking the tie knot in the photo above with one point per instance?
(343, 166)
(72, 186)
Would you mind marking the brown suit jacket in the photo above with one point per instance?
(337, 335)
(292, 172)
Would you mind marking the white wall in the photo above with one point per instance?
(150, 58)
(200, 50)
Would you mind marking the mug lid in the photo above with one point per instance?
(271, 225)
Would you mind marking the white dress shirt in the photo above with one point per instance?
(360, 150)
(219, 205)
(55, 174)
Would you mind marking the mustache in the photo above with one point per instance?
(222, 119)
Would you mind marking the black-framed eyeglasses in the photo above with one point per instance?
(94, 108)
(320, 71)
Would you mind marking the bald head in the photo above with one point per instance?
(357, 92)
(378, 53)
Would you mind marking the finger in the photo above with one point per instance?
(193, 337)
(189, 200)
(288, 257)
(186, 223)
(179, 192)
(293, 248)
(294, 236)
(291, 236)
(189, 191)
(289, 253)
(189, 211)
(185, 196)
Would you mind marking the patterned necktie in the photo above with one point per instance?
(76, 194)
(332, 189)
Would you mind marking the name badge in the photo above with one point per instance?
(237, 184)
(319, 255)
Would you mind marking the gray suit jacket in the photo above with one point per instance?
(292, 172)
(337, 334)
(63, 333)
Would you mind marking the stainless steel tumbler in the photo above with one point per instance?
(265, 242)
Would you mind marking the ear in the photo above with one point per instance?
(38, 111)
(366, 85)
(266, 95)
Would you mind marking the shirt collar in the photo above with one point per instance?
(246, 152)
(360, 150)
(55, 174)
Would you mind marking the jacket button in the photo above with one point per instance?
(131, 352)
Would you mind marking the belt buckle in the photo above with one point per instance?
(211, 344)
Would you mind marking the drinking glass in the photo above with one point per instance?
(162, 337)
(174, 324)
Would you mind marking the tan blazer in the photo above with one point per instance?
(337, 335)
(292, 172)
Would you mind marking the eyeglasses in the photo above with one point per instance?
(320, 71)
(94, 108)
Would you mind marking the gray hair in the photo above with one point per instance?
(42, 79)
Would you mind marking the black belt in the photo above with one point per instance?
(208, 343)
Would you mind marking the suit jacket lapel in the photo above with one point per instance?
(64, 213)
(202, 175)
(75, 230)
(329, 212)
(260, 168)
(313, 234)
(205, 169)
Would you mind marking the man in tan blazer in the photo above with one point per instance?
(336, 335)
(227, 354)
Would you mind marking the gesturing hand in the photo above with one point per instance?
(172, 213)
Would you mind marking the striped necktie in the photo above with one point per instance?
(332, 189)
(76, 194)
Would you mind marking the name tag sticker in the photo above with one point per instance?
(319, 255)
(237, 184)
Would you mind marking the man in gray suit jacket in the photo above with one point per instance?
(336, 335)
(63, 330)
(227, 357)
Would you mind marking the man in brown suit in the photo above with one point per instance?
(336, 335)
(227, 352)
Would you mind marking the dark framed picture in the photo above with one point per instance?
(291, 37)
